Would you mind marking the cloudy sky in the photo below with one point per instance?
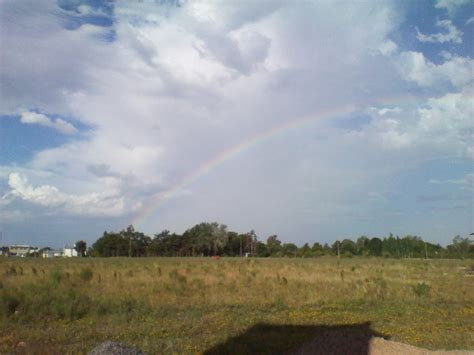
(314, 120)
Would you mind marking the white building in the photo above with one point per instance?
(70, 252)
(58, 253)
(47, 253)
(22, 250)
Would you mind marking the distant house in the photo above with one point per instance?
(70, 252)
(22, 250)
(47, 252)
(58, 253)
(4, 251)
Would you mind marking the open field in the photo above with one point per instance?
(189, 305)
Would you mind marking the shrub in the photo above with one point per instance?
(10, 302)
(421, 289)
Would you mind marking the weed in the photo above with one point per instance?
(11, 271)
(421, 289)
(56, 276)
(176, 276)
(86, 274)
(232, 294)
(10, 302)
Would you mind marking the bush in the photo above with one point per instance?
(421, 289)
(10, 303)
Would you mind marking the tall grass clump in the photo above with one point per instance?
(56, 277)
(10, 302)
(421, 289)
(86, 274)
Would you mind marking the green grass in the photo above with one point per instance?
(190, 305)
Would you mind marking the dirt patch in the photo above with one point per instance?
(375, 346)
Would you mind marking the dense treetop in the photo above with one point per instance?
(214, 239)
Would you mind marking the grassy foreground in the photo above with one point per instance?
(189, 305)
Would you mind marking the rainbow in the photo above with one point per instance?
(232, 152)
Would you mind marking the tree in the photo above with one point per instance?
(289, 249)
(81, 247)
(317, 249)
(232, 248)
(305, 251)
(125, 243)
(362, 245)
(461, 245)
(273, 245)
(375, 247)
(348, 247)
(261, 250)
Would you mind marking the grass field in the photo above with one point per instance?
(189, 305)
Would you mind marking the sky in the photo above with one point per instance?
(312, 120)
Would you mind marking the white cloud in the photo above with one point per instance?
(466, 183)
(105, 203)
(388, 48)
(178, 87)
(456, 71)
(451, 5)
(30, 117)
(55, 61)
(468, 180)
(86, 10)
(438, 126)
(452, 34)
(470, 21)
(386, 110)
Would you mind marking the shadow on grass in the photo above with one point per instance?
(296, 339)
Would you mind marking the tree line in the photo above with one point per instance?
(214, 239)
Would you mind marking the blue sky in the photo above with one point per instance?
(107, 107)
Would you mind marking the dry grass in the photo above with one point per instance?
(190, 304)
